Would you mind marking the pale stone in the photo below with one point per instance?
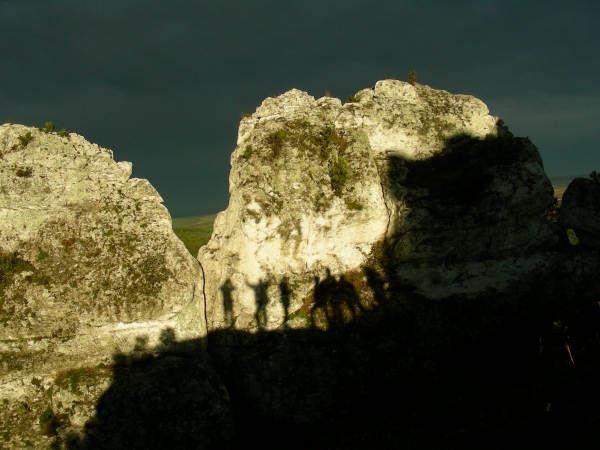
(286, 227)
(89, 268)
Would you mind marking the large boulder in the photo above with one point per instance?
(580, 211)
(320, 190)
(89, 265)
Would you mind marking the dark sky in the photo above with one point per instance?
(163, 83)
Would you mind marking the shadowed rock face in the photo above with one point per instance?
(88, 264)
(319, 189)
(580, 210)
(364, 243)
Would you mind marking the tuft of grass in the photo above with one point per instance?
(48, 127)
(63, 133)
(276, 140)
(25, 139)
(595, 176)
(354, 206)
(339, 174)
(48, 422)
(351, 99)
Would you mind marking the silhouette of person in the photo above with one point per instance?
(260, 300)
(286, 293)
(227, 289)
(337, 300)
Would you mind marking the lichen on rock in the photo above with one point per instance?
(88, 261)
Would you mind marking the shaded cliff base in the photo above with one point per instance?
(517, 368)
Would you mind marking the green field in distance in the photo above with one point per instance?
(194, 231)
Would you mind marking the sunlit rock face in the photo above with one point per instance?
(89, 264)
(306, 202)
(422, 178)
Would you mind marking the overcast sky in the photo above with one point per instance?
(163, 83)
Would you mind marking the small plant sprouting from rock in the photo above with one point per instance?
(595, 176)
(25, 139)
(245, 114)
(275, 140)
(24, 172)
(351, 99)
(339, 174)
(48, 422)
(353, 205)
(247, 152)
(48, 127)
(63, 133)
(412, 77)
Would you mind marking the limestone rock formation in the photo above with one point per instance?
(364, 242)
(89, 265)
(580, 210)
(321, 190)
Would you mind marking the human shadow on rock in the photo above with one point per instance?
(390, 368)
(387, 367)
(166, 396)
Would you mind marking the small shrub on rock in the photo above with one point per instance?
(339, 174)
(412, 77)
(63, 133)
(25, 139)
(275, 140)
(247, 152)
(595, 176)
(48, 127)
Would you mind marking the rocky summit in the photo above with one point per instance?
(384, 276)
(90, 271)
(318, 189)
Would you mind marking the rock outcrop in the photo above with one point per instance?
(365, 243)
(319, 190)
(89, 268)
(580, 211)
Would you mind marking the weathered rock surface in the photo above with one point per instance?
(318, 189)
(375, 237)
(89, 265)
(580, 210)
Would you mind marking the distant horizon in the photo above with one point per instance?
(556, 181)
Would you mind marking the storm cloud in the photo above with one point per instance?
(163, 84)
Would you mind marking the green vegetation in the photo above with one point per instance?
(194, 231)
(351, 99)
(247, 152)
(48, 127)
(354, 206)
(10, 264)
(63, 133)
(595, 176)
(48, 422)
(25, 139)
(339, 174)
(245, 114)
(275, 140)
